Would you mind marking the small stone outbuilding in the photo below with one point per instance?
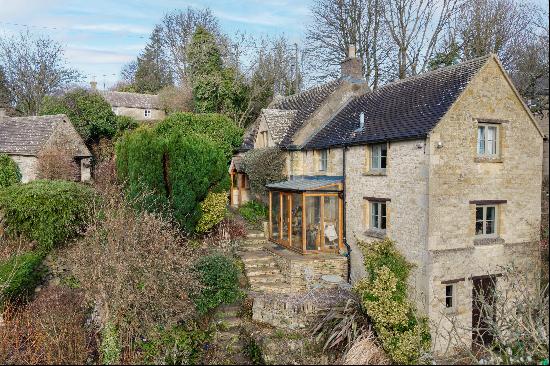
(24, 139)
(142, 107)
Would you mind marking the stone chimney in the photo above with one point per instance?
(93, 85)
(352, 67)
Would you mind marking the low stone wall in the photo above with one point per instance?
(283, 314)
(310, 272)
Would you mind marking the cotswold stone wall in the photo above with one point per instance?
(28, 166)
(307, 162)
(406, 185)
(457, 177)
(139, 113)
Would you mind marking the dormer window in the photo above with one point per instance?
(147, 113)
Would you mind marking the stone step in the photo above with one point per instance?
(228, 311)
(270, 288)
(256, 256)
(230, 322)
(262, 271)
(267, 279)
(260, 265)
(255, 234)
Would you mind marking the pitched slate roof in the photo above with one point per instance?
(28, 135)
(283, 125)
(306, 183)
(131, 100)
(404, 109)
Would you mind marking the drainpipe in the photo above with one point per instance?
(344, 211)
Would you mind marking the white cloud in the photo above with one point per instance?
(110, 27)
(77, 55)
(263, 18)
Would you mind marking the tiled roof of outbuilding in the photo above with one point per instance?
(28, 135)
(279, 121)
(404, 109)
(131, 100)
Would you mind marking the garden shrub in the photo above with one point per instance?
(177, 345)
(19, 275)
(217, 127)
(264, 166)
(219, 277)
(48, 212)
(177, 163)
(404, 335)
(89, 112)
(9, 171)
(213, 210)
(50, 330)
(254, 212)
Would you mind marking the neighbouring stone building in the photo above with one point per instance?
(142, 107)
(24, 139)
(448, 164)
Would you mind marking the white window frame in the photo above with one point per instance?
(375, 218)
(376, 157)
(323, 160)
(483, 141)
(451, 297)
(484, 221)
(147, 113)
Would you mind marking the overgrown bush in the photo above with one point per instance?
(254, 212)
(213, 210)
(219, 277)
(49, 212)
(125, 123)
(88, 111)
(56, 162)
(136, 269)
(51, 330)
(217, 127)
(178, 345)
(177, 162)
(404, 336)
(19, 275)
(264, 166)
(9, 171)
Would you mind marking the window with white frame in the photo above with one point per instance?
(487, 140)
(486, 220)
(449, 296)
(263, 139)
(147, 113)
(378, 215)
(323, 160)
(379, 155)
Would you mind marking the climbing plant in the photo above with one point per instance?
(404, 334)
(9, 171)
(264, 166)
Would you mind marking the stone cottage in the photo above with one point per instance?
(142, 107)
(448, 164)
(25, 138)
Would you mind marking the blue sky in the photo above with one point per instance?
(100, 36)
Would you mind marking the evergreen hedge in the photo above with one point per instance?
(171, 167)
(9, 171)
(19, 275)
(49, 212)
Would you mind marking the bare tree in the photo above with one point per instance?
(128, 72)
(34, 67)
(178, 28)
(337, 24)
(415, 27)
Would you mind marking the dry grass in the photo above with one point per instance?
(366, 352)
(57, 162)
(50, 330)
(136, 269)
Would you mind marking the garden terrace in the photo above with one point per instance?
(305, 214)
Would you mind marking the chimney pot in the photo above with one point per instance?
(362, 120)
(351, 51)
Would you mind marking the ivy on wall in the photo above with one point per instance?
(264, 166)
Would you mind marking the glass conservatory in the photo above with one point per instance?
(305, 214)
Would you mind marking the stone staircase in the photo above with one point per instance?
(262, 271)
(227, 346)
